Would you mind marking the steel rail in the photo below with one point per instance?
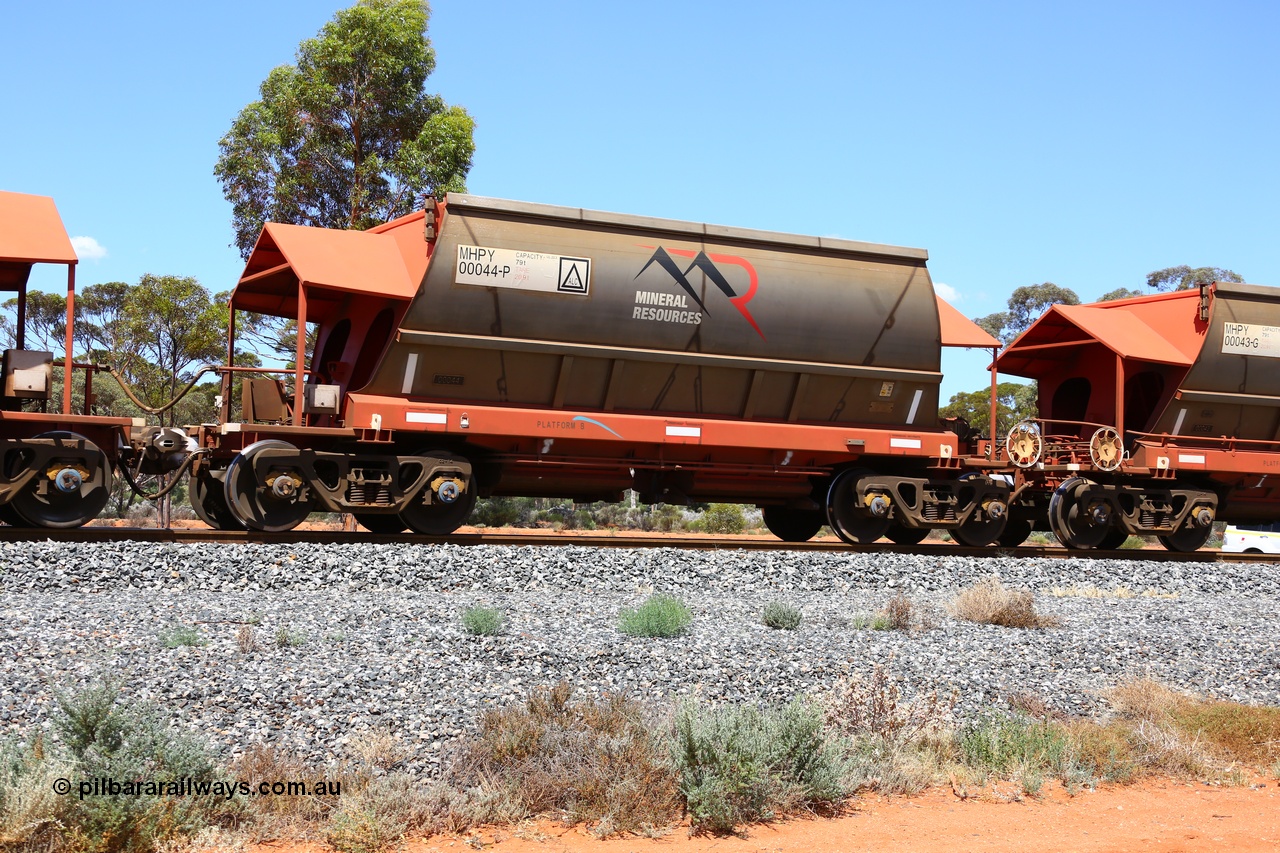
(622, 540)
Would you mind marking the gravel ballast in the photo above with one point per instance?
(359, 636)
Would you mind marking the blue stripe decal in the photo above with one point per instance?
(586, 419)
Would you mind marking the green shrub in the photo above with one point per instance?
(659, 616)
(182, 635)
(740, 764)
(108, 740)
(780, 615)
(1134, 543)
(482, 621)
(503, 512)
(874, 621)
(1001, 744)
(722, 518)
(287, 637)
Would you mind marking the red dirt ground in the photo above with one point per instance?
(1161, 816)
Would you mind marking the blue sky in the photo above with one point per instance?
(1084, 144)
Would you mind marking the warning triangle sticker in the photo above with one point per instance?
(572, 280)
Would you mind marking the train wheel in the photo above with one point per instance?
(381, 522)
(1071, 521)
(1015, 533)
(440, 517)
(76, 492)
(209, 501)
(981, 529)
(1115, 537)
(1186, 539)
(851, 521)
(273, 507)
(792, 525)
(10, 516)
(900, 535)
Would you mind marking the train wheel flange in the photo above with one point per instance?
(442, 516)
(10, 516)
(853, 519)
(262, 506)
(1115, 537)
(792, 525)
(73, 493)
(1014, 533)
(209, 502)
(1076, 524)
(899, 535)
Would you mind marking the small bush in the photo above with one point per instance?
(872, 621)
(106, 739)
(602, 761)
(482, 621)
(722, 518)
(31, 814)
(991, 602)
(780, 615)
(182, 635)
(1008, 745)
(503, 512)
(1134, 543)
(659, 616)
(862, 707)
(287, 637)
(247, 639)
(741, 764)
(898, 611)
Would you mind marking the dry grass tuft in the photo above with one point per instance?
(898, 611)
(602, 762)
(991, 602)
(1121, 592)
(873, 706)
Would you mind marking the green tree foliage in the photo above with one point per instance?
(1015, 401)
(46, 322)
(347, 137)
(1025, 307)
(1120, 293)
(175, 327)
(1185, 278)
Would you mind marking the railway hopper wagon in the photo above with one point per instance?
(1157, 416)
(57, 468)
(487, 347)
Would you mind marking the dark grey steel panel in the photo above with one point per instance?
(1225, 393)
(774, 302)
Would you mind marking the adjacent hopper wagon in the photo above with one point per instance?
(1158, 415)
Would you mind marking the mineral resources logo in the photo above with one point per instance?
(674, 307)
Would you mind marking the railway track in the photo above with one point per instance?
(546, 539)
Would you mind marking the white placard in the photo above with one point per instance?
(1249, 339)
(521, 270)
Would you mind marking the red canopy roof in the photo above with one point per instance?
(31, 231)
(324, 259)
(1162, 329)
(959, 331)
